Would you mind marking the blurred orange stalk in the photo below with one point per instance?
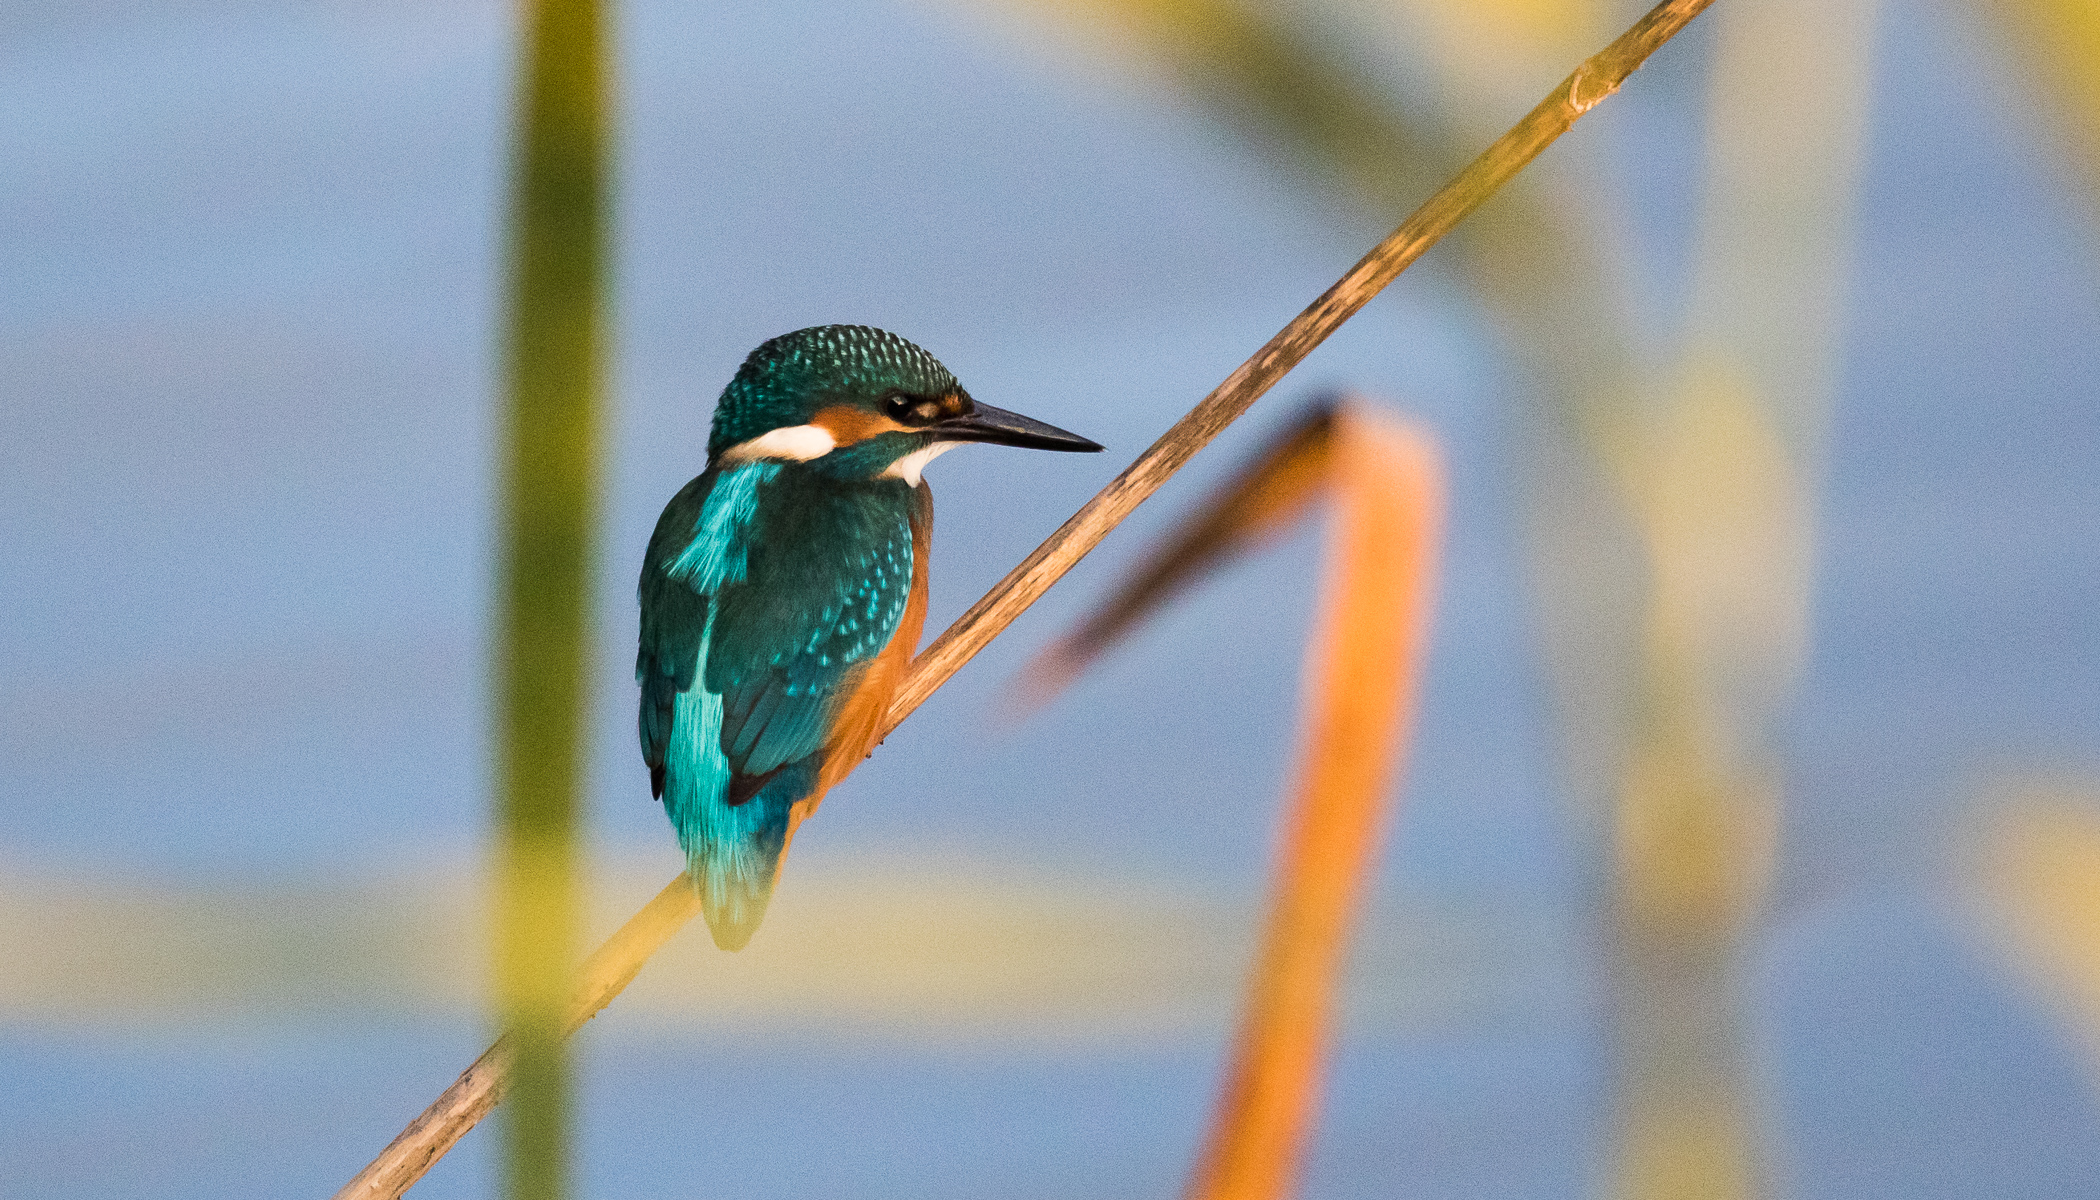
(1363, 668)
(1363, 665)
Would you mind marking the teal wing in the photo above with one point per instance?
(675, 618)
(828, 582)
(763, 597)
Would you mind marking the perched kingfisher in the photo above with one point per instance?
(784, 591)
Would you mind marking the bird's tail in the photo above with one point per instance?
(733, 851)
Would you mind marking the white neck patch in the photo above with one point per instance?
(798, 443)
(912, 465)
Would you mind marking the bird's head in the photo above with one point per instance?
(856, 402)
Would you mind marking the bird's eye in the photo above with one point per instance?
(913, 410)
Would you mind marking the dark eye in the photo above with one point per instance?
(913, 410)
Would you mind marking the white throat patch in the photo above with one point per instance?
(798, 443)
(910, 467)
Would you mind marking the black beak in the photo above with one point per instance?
(987, 424)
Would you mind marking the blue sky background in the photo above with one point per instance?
(246, 314)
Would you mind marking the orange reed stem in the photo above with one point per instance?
(1365, 660)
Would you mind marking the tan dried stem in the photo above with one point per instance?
(610, 969)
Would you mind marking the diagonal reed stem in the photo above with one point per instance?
(609, 970)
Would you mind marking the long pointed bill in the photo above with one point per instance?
(988, 424)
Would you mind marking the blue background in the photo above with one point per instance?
(247, 306)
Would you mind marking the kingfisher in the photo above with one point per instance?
(784, 591)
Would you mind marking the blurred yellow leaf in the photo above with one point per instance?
(2040, 884)
(1717, 475)
(1493, 46)
(2057, 43)
(966, 954)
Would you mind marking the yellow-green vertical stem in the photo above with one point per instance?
(557, 275)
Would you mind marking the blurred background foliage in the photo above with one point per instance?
(1670, 453)
(1706, 456)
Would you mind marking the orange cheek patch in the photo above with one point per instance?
(850, 425)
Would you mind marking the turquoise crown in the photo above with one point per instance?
(785, 381)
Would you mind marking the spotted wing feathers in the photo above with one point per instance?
(764, 597)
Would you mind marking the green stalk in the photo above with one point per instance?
(550, 494)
